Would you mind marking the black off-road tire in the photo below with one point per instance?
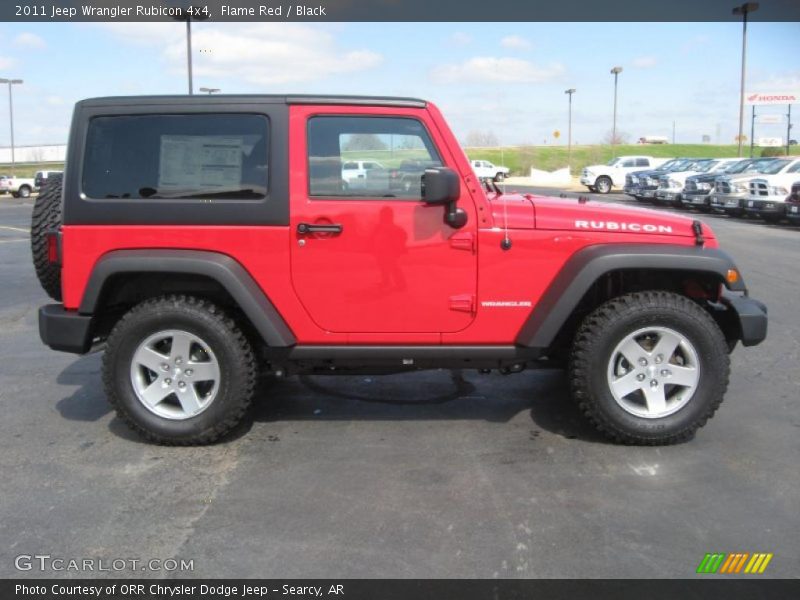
(598, 336)
(46, 217)
(499, 177)
(237, 364)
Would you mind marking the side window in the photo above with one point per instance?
(642, 162)
(397, 150)
(629, 163)
(794, 169)
(177, 156)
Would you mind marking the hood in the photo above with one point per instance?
(705, 177)
(571, 214)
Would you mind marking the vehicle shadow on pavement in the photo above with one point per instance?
(434, 395)
(422, 396)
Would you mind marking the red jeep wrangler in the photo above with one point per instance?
(204, 240)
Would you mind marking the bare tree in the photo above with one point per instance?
(480, 139)
(621, 138)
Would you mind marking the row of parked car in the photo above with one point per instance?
(768, 188)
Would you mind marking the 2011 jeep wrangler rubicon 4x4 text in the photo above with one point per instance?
(202, 241)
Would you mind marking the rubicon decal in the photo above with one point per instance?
(735, 563)
(622, 226)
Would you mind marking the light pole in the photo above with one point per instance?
(11, 82)
(209, 91)
(615, 72)
(743, 10)
(188, 15)
(569, 92)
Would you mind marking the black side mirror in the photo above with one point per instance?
(442, 185)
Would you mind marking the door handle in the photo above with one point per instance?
(304, 228)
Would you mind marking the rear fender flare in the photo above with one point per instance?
(223, 269)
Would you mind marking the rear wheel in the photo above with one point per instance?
(603, 185)
(649, 368)
(179, 371)
(46, 217)
(24, 191)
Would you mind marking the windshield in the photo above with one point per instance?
(740, 166)
(774, 167)
(612, 162)
(705, 167)
(679, 165)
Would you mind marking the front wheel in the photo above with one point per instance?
(649, 368)
(24, 192)
(179, 371)
(499, 177)
(603, 185)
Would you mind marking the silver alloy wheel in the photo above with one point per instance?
(653, 372)
(603, 185)
(175, 374)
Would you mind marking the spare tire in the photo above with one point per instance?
(46, 217)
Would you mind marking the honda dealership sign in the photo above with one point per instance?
(772, 97)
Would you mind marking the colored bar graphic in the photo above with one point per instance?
(723, 563)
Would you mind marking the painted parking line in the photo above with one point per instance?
(10, 228)
(14, 240)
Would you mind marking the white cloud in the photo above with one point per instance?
(29, 40)
(260, 54)
(5, 62)
(459, 38)
(515, 42)
(487, 68)
(644, 62)
(785, 82)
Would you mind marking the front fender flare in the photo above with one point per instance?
(584, 267)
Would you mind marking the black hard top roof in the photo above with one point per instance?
(256, 98)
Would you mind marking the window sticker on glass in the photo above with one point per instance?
(211, 161)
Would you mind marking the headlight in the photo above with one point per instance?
(778, 191)
(674, 183)
(652, 181)
(740, 188)
(703, 186)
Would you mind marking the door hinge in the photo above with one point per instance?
(463, 303)
(463, 241)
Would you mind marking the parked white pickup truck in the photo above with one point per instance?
(486, 170)
(768, 193)
(18, 187)
(603, 178)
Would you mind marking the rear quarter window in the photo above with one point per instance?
(176, 156)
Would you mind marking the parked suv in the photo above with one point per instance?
(603, 178)
(198, 253)
(768, 193)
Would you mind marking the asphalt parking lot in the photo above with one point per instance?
(437, 474)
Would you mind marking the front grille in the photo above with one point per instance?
(723, 187)
(691, 186)
(758, 188)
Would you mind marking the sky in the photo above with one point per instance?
(504, 78)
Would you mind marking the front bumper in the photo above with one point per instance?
(768, 206)
(793, 212)
(751, 316)
(587, 180)
(699, 199)
(668, 195)
(648, 192)
(65, 330)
